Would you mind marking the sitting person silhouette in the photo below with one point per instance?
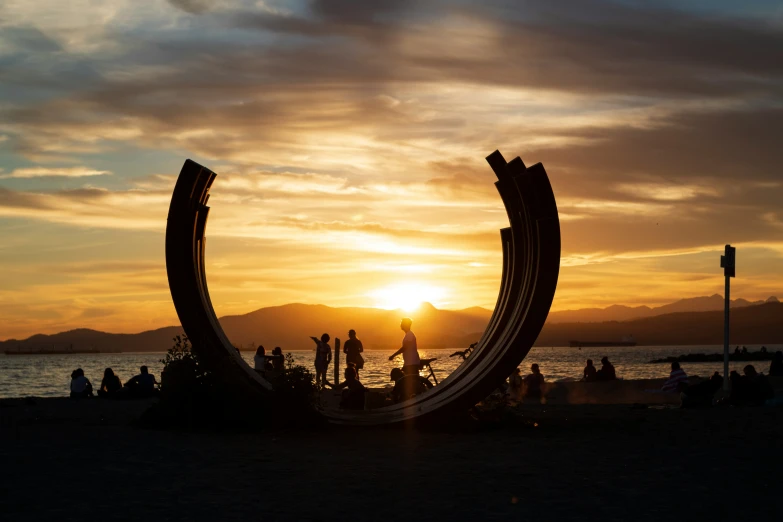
(607, 372)
(353, 391)
(533, 384)
(278, 360)
(110, 384)
(589, 371)
(677, 381)
(259, 359)
(142, 385)
(776, 366)
(700, 395)
(407, 385)
(81, 387)
(752, 388)
(515, 385)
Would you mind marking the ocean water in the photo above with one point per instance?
(50, 375)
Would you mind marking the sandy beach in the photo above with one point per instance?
(69, 460)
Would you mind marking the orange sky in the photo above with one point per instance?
(349, 144)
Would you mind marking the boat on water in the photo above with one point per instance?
(626, 341)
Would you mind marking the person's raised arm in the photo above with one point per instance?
(395, 354)
(315, 339)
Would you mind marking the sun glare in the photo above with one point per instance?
(406, 296)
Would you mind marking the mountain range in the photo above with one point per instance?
(688, 321)
(628, 313)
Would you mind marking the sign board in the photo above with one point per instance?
(728, 261)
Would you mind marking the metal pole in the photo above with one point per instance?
(337, 361)
(726, 337)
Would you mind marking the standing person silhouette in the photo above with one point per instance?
(323, 357)
(409, 349)
(353, 349)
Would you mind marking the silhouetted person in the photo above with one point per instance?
(278, 360)
(353, 349)
(407, 385)
(744, 350)
(259, 359)
(143, 384)
(353, 390)
(323, 357)
(534, 383)
(409, 350)
(110, 384)
(515, 385)
(589, 371)
(677, 380)
(81, 387)
(700, 395)
(607, 372)
(758, 386)
(763, 349)
(736, 350)
(776, 366)
(751, 388)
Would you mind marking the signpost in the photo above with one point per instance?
(727, 262)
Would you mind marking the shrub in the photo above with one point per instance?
(194, 397)
(183, 373)
(294, 386)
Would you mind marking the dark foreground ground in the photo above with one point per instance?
(64, 460)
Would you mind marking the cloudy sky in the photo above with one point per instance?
(349, 140)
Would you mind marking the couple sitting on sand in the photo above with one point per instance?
(531, 387)
(606, 373)
(265, 363)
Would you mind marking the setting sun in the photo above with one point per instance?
(407, 296)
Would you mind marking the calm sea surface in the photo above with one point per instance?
(49, 375)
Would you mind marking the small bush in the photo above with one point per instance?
(193, 397)
(294, 386)
(184, 376)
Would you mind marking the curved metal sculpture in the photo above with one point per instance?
(531, 263)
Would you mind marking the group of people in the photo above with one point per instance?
(751, 387)
(352, 389)
(606, 373)
(352, 349)
(140, 386)
(263, 363)
(529, 387)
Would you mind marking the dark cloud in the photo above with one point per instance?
(588, 47)
(730, 146)
(14, 199)
(360, 12)
(193, 6)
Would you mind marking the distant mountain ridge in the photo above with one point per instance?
(628, 313)
(289, 326)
